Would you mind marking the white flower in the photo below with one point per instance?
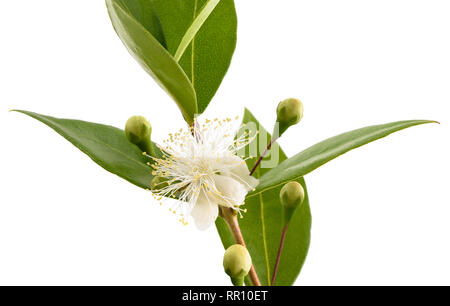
(201, 170)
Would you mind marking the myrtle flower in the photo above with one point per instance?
(201, 169)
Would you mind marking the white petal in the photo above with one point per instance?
(232, 191)
(204, 212)
(249, 181)
(240, 170)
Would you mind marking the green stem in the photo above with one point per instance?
(237, 281)
(147, 147)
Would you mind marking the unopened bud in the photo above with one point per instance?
(292, 196)
(138, 131)
(289, 112)
(237, 263)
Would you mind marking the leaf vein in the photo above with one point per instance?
(266, 253)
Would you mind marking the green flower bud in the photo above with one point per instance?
(289, 112)
(138, 131)
(292, 196)
(237, 263)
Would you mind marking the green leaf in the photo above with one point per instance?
(208, 57)
(154, 58)
(261, 226)
(321, 153)
(200, 19)
(144, 12)
(105, 145)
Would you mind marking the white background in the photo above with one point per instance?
(380, 213)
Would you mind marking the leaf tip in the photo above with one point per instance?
(430, 121)
(17, 111)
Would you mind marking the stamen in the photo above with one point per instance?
(191, 158)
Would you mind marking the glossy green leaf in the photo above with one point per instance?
(196, 25)
(144, 12)
(208, 56)
(321, 153)
(262, 226)
(154, 58)
(105, 145)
